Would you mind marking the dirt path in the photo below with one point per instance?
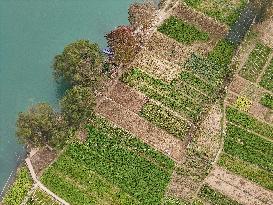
(143, 129)
(41, 186)
(238, 188)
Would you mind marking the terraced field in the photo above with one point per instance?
(112, 167)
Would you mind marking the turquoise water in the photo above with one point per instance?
(32, 32)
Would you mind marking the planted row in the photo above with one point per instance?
(165, 120)
(181, 31)
(267, 101)
(127, 140)
(247, 170)
(255, 62)
(165, 93)
(267, 78)
(248, 122)
(249, 147)
(214, 197)
(215, 67)
(107, 165)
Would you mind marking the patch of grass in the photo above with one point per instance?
(214, 197)
(165, 120)
(41, 198)
(19, 188)
(181, 31)
(248, 122)
(267, 78)
(267, 101)
(247, 170)
(249, 147)
(255, 62)
(110, 168)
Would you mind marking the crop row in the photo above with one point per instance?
(40, 198)
(255, 62)
(248, 122)
(181, 31)
(167, 94)
(267, 100)
(214, 197)
(117, 164)
(249, 147)
(19, 188)
(267, 78)
(127, 140)
(91, 182)
(224, 11)
(213, 68)
(165, 120)
(247, 170)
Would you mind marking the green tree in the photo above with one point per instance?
(78, 105)
(80, 63)
(40, 125)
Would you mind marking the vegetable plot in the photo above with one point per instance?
(41, 198)
(267, 101)
(255, 62)
(182, 32)
(112, 167)
(267, 78)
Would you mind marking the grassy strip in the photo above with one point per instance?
(20, 188)
(127, 140)
(41, 198)
(181, 31)
(249, 147)
(248, 122)
(255, 62)
(165, 93)
(165, 120)
(214, 197)
(267, 78)
(247, 170)
(267, 101)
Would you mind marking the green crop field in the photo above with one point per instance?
(255, 62)
(267, 78)
(41, 198)
(112, 167)
(182, 32)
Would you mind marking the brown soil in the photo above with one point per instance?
(238, 84)
(266, 30)
(149, 133)
(128, 97)
(238, 188)
(231, 98)
(261, 112)
(41, 159)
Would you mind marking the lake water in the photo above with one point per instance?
(32, 32)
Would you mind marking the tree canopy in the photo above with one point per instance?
(40, 125)
(78, 105)
(80, 63)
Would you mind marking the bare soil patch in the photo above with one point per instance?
(128, 97)
(238, 84)
(239, 188)
(266, 30)
(201, 153)
(41, 159)
(149, 133)
(261, 112)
